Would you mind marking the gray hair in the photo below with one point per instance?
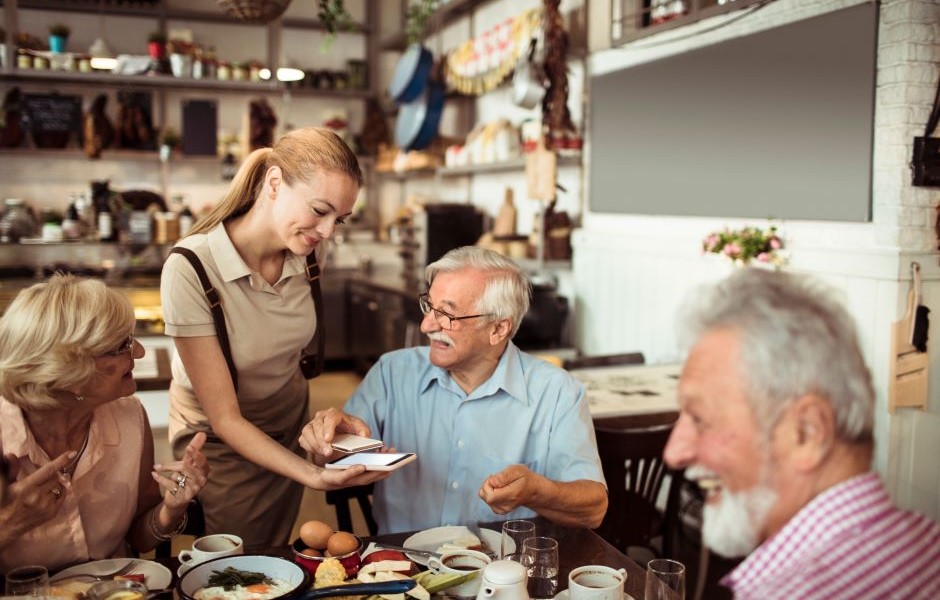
(796, 339)
(51, 334)
(507, 291)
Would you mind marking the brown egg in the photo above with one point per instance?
(341, 543)
(311, 552)
(315, 534)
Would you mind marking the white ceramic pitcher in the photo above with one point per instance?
(503, 580)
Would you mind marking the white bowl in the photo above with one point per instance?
(272, 566)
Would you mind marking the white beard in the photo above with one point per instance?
(731, 527)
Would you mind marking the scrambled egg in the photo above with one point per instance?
(330, 572)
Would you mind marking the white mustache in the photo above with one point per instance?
(440, 336)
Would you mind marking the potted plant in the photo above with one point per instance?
(156, 45)
(169, 141)
(58, 36)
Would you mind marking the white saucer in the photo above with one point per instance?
(434, 538)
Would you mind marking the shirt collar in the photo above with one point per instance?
(812, 525)
(508, 377)
(17, 439)
(232, 266)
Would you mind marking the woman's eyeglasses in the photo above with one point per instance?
(127, 346)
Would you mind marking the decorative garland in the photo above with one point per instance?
(480, 65)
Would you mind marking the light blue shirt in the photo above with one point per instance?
(528, 412)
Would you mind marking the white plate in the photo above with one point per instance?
(432, 539)
(158, 576)
(563, 595)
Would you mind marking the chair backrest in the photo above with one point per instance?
(608, 360)
(340, 498)
(635, 472)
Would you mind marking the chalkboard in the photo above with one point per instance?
(200, 123)
(52, 118)
(775, 124)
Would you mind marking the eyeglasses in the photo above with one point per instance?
(126, 346)
(445, 320)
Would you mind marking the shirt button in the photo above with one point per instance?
(454, 485)
(460, 443)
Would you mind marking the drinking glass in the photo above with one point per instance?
(31, 580)
(665, 580)
(514, 534)
(540, 558)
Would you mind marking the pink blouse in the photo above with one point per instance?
(98, 507)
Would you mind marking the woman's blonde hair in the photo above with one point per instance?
(301, 154)
(51, 334)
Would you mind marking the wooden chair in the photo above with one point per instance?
(608, 360)
(635, 473)
(340, 499)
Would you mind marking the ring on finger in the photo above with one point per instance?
(57, 492)
(174, 491)
(181, 480)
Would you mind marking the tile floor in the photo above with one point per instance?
(330, 389)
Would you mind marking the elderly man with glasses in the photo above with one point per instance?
(497, 432)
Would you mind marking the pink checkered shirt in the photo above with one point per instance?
(849, 542)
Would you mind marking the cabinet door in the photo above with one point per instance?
(335, 316)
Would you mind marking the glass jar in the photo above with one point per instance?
(17, 223)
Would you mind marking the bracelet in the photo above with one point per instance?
(166, 536)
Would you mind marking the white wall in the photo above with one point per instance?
(658, 262)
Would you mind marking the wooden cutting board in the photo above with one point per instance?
(908, 377)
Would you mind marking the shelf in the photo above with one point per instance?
(106, 154)
(516, 164)
(508, 166)
(168, 81)
(161, 12)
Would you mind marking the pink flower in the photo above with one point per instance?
(732, 249)
(775, 243)
(763, 257)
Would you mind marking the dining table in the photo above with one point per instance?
(577, 546)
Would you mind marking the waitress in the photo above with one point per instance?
(282, 204)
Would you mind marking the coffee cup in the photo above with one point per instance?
(461, 562)
(209, 547)
(596, 582)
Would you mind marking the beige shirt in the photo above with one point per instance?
(97, 509)
(268, 326)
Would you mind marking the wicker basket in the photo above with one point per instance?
(254, 11)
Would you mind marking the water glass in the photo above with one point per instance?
(514, 534)
(665, 580)
(31, 580)
(540, 558)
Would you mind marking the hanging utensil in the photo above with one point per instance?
(907, 387)
(921, 322)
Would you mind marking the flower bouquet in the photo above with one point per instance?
(746, 244)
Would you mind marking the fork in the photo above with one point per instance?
(128, 569)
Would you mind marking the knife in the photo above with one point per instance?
(425, 553)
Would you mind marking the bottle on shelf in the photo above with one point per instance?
(105, 219)
(186, 221)
(72, 228)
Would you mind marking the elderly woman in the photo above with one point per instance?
(78, 446)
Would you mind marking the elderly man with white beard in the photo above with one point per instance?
(498, 432)
(776, 427)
